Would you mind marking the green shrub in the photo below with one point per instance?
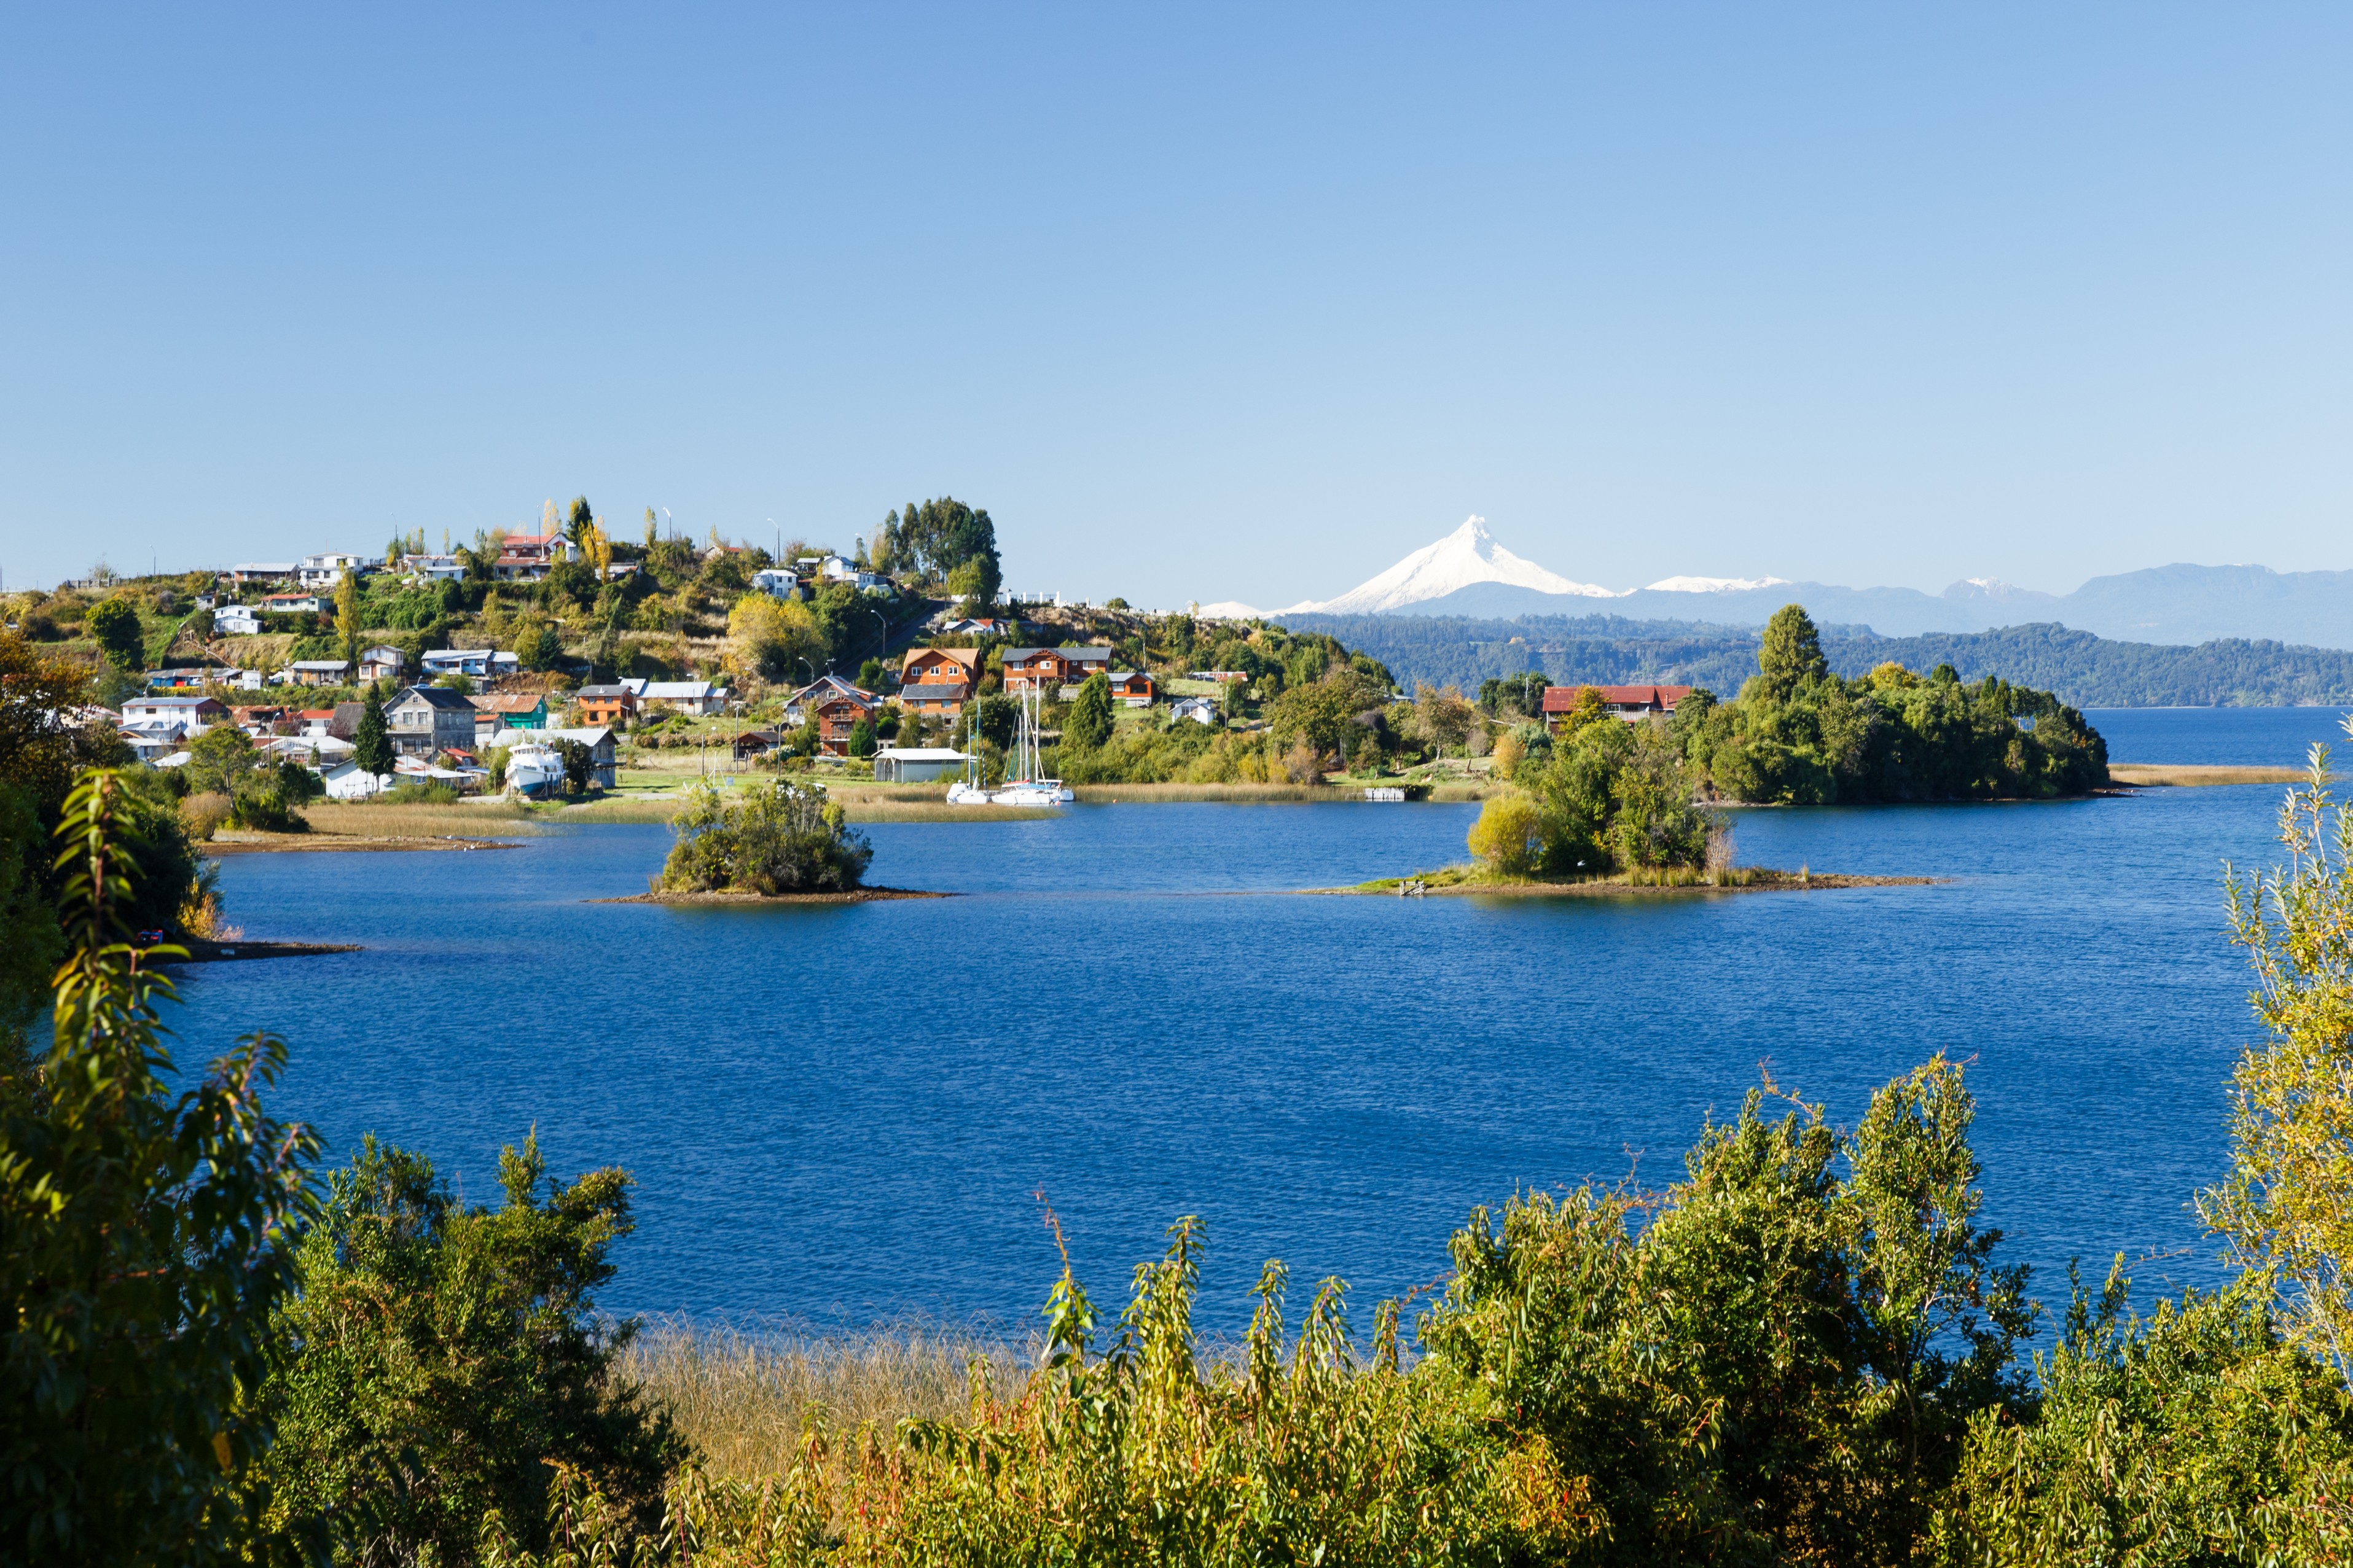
(783, 838)
(439, 1358)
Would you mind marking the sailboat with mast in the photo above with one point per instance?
(1023, 785)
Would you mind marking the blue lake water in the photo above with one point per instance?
(844, 1113)
(2253, 737)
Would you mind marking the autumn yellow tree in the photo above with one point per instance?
(2282, 1210)
(772, 639)
(347, 618)
(1509, 834)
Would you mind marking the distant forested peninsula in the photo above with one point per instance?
(2082, 670)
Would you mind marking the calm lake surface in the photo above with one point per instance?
(844, 1114)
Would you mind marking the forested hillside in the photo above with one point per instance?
(2081, 669)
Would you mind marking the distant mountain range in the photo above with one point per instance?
(1468, 574)
(2087, 671)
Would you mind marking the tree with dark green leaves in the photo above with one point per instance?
(1089, 723)
(581, 519)
(539, 647)
(440, 1357)
(1799, 735)
(861, 742)
(372, 739)
(114, 626)
(146, 1222)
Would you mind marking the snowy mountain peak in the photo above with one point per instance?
(1713, 585)
(1466, 557)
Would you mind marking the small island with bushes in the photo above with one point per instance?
(785, 843)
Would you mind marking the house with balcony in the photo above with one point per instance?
(1627, 702)
(526, 557)
(381, 663)
(483, 663)
(838, 713)
(327, 568)
(697, 696)
(191, 716)
(496, 711)
(261, 572)
(936, 682)
(423, 719)
(821, 690)
(613, 706)
(432, 568)
(1053, 669)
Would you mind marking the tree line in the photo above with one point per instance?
(2081, 669)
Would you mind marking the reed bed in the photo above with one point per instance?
(940, 811)
(744, 1398)
(1142, 794)
(368, 819)
(2201, 774)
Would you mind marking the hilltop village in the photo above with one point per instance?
(569, 661)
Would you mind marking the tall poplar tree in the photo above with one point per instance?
(347, 618)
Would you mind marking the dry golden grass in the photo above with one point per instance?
(2199, 773)
(744, 1398)
(372, 820)
(1143, 794)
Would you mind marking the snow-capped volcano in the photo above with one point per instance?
(1464, 559)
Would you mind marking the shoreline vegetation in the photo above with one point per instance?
(1805, 1346)
(724, 896)
(1477, 880)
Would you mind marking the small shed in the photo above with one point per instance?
(917, 764)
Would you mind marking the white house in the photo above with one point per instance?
(294, 605)
(192, 715)
(237, 621)
(476, 662)
(319, 750)
(326, 569)
(1200, 709)
(686, 696)
(433, 568)
(778, 582)
(348, 781)
(916, 764)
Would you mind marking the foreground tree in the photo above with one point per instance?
(144, 1240)
(2283, 1210)
(440, 1358)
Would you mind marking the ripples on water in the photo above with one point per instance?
(843, 1113)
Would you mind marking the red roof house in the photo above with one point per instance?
(1628, 702)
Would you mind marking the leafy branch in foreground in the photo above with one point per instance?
(2284, 1209)
(143, 1241)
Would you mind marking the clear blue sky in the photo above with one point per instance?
(1200, 302)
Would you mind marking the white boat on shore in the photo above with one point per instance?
(1025, 787)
